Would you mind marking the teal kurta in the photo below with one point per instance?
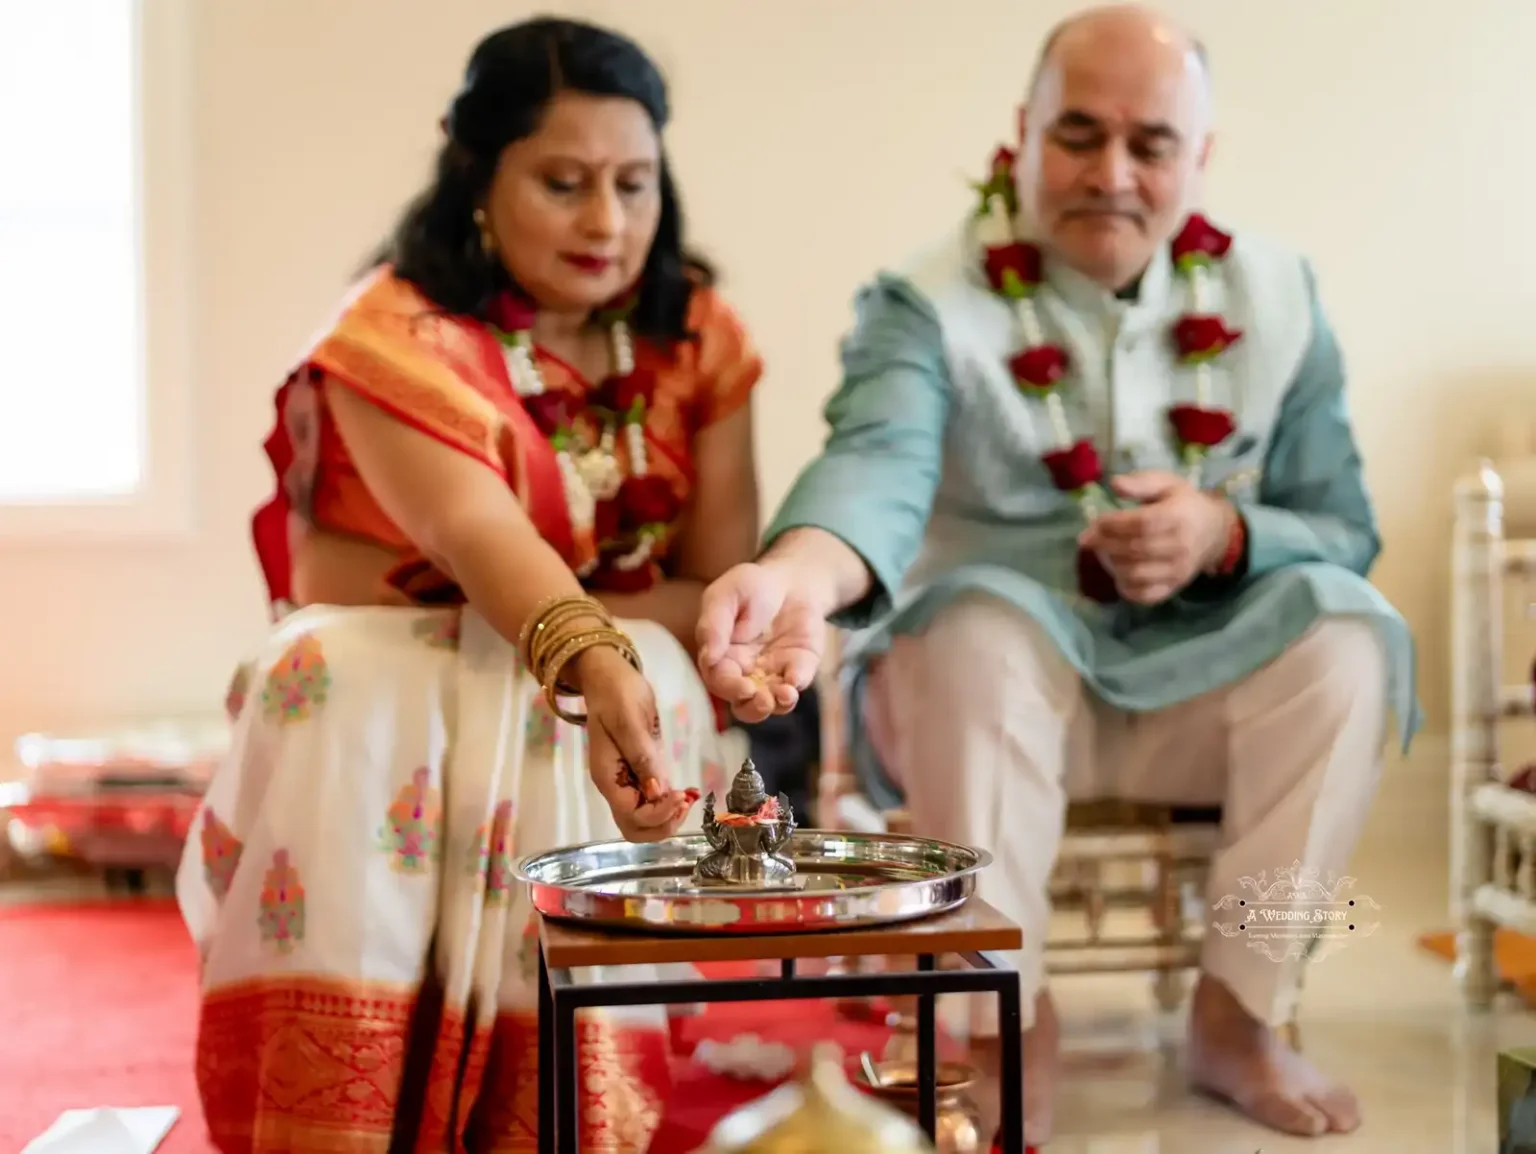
(927, 475)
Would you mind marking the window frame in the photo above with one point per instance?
(161, 506)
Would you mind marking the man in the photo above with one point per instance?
(1092, 494)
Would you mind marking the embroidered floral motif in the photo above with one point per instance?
(440, 630)
(239, 689)
(502, 845)
(281, 920)
(298, 683)
(221, 853)
(542, 730)
(412, 831)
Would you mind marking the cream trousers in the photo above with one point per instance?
(989, 732)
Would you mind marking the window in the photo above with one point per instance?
(91, 396)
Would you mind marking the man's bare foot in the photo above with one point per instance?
(1234, 1056)
(1042, 1064)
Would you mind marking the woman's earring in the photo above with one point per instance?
(487, 241)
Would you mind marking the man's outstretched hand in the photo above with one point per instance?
(760, 640)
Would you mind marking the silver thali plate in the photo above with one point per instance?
(842, 880)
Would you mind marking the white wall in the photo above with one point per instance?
(816, 139)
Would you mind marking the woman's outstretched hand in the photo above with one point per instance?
(624, 749)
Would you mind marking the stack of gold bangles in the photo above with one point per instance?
(556, 632)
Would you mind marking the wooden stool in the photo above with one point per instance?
(974, 932)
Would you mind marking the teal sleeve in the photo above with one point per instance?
(873, 484)
(1312, 502)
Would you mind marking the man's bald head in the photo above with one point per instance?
(1114, 139)
(1096, 29)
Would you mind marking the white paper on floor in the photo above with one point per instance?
(105, 1130)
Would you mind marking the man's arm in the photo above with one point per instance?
(1312, 503)
(855, 517)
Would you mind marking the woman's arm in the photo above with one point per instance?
(467, 521)
(720, 529)
(461, 515)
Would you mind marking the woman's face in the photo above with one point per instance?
(574, 207)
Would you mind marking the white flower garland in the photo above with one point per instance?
(998, 229)
(595, 474)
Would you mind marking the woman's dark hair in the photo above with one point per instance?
(512, 76)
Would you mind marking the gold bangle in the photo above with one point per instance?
(552, 684)
(549, 614)
(551, 640)
(552, 610)
(562, 624)
(547, 606)
(580, 643)
(558, 711)
(535, 615)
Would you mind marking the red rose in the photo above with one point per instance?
(512, 313)
(1199, 338)
(1207, 428)
(1039, 367)
(550, 410)
(1013, 269)
(1002, 163)
(621, 394)
(648, 500)
(605, 521)
(612, 579)
(1075, 468)
(1199, 242)
(1524, 780)
(1093, 580)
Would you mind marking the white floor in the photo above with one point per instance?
(1381, 1014)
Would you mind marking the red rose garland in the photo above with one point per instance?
(627, 515)
(1015, 270)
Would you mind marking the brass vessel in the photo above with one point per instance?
(820, 1113)
(958, 1127)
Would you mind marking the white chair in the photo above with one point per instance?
(1493, 827)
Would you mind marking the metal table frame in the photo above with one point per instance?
(560, 997)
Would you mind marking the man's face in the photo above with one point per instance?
(1114, 143)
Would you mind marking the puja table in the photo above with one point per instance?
(974, 931)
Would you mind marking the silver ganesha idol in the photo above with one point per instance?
(747, 841)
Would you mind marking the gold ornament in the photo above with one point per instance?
(821, 1113)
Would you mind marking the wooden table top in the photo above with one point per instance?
(973, 926)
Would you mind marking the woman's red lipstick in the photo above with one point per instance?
(587, 264)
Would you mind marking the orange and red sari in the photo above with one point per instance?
(367, 974)
(447, 377)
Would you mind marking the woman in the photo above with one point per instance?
(535, 394)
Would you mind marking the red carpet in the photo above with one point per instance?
(98, 1008)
